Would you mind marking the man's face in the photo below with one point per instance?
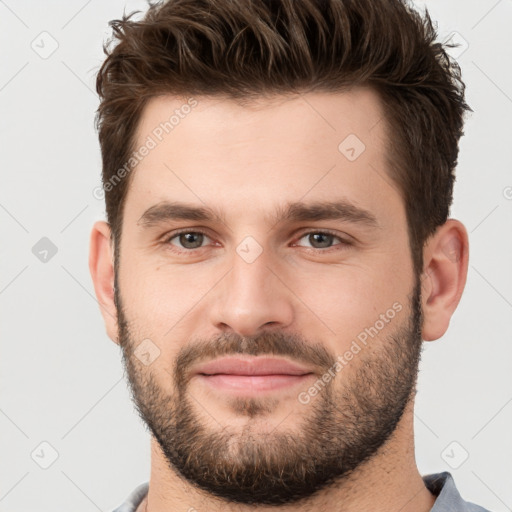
(265, 278)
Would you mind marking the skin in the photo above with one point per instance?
(246, 161)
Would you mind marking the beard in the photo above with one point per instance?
(343, 426)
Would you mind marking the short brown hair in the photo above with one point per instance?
(243, 49)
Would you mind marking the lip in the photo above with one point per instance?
(246, 376)
(253, 366)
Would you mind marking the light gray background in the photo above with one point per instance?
(61, 377)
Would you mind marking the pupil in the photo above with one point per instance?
(187, 240)
(194, 240)
(323, 239)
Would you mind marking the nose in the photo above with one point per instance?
(252, 297)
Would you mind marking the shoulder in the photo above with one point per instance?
(134, 499)
(447, 495)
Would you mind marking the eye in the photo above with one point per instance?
(188, 239)
(322, 239)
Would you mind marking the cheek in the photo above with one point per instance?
(349, 298)
(331, 301)
(159, 298)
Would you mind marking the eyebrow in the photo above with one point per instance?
(290, 212)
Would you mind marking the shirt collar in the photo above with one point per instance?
(448, 498)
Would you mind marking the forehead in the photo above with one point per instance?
(215, 151)
(309, 115)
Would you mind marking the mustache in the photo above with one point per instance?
(293, 346)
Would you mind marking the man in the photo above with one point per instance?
(278, 178)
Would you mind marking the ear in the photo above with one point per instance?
(445, 270)
(101, 266)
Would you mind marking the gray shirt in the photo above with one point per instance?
(439, 484)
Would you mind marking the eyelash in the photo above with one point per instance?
(174, 234)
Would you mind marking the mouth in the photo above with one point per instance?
(252, 375)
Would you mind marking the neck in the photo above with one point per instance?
(388, 481)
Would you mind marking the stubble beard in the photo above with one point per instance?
(341, 428)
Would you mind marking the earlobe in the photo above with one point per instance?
(444, 276)
(101, 266)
